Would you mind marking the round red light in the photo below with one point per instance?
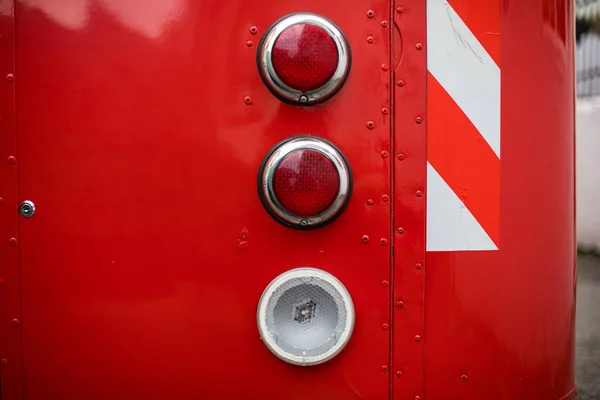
(306, 183)
(305, 57)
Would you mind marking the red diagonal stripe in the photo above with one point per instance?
(483, 19)
(463, 158)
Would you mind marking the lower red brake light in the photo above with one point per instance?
(305, 182)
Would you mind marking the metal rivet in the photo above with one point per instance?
(401, 83)
(370, 14)
(419, 120)
(10, 78)
(370, 202)
(419, 193)
(370, 124)
(383, 241)
(4, 361)
(463, 378)
(384, 111)
(27, 208)
(384, 327)
(385, 198)
(248, 100)
(12, 241)
(399, 10)
(244, 233)
(418, 266)
(419, 46)
(11, 160)
(15, 322)
(384, 67)
(243, 245)
(365, 239)
(249, 43)
(384, 24)
(401, 157)
(303, 99)
(370, 39)
(401, 230)
(400, 303)
(417, 398)
(384, 154)
(417, 338)
(385, 284)
(253, 30)
(398, 374)
(384, 368)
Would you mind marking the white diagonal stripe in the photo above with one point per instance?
(464, 69)
(450, 224)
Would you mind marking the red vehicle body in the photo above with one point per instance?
(138, 128)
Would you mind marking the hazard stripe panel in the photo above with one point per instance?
(463, 134)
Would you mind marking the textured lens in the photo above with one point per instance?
(306, 183)
(306, 316)
(305, 57)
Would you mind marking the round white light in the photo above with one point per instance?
(305, 316)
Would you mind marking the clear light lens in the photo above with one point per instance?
(306, 316)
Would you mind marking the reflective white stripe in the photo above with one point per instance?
(450, 225)
(464, 69)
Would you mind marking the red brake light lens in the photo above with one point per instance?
(306, 183)
(305, 57)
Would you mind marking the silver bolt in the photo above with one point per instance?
(303, 99)
(27, 209)
(303, 222)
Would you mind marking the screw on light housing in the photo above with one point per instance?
(27, 209)
(292, 27)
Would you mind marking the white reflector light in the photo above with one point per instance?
(305, 316)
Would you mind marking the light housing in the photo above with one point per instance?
(304, 59)
(305, 316)
(305, 182)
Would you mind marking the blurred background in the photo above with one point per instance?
(587, 59)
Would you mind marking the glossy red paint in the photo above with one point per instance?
(410, 146)
(141, 155)
(10, 335)
(140, 136)
(505, 318)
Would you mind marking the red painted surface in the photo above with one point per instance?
(410, 160)
(138, 149)
(140, 135)
(10, 336)
(505, 318)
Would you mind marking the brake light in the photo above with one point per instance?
(305, 182)
(304, 59)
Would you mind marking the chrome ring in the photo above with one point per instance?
(267, 174)
(272, 295)
(277, 86)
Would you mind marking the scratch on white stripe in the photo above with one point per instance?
(464, 69)
(450, 224)
(459, 36)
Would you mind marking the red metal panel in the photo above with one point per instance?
(141, 155)
(409, 200)
(499, 324)
(10, 335)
